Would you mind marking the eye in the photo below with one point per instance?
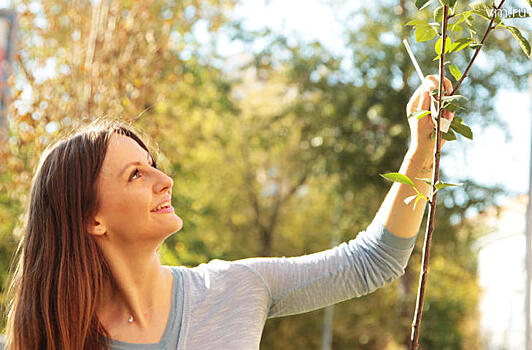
(134, 174)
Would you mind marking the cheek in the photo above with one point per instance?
(132, 204)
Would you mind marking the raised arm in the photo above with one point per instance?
(304, 283)
(394, 213)
(376, 256)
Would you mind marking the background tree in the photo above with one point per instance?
(267, 149)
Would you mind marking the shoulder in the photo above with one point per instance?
(218, 275)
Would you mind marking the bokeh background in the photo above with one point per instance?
(274, 118)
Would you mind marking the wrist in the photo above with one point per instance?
(422, 161)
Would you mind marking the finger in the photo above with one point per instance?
(448, 115)
(415, 102)
(434, 81)
(448, 86)
(425, 100)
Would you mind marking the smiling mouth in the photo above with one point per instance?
(166, 204)
(165, 209)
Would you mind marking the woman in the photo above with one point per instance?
(89, 276)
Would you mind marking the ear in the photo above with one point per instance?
(96, 227)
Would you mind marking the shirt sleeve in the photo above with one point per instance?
(352, 269)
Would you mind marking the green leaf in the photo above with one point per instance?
(457, 120)
(525, 45)
(455, 99)
(460, 17)
(482, 9)
(475, 46)
(438, 45)
(421, 4)
(449, 3)
(435, 94)
(425, 180)
(418, 114)
(424, 33)
(438, 14)
(397, 177)
(455, 71)
(459, 44)
(455, 28)
(448, 136)
(530, 3)
(451, 107)
(439, 185)
(462, 129)
(417, 22)
(419, 196)
(453, 103)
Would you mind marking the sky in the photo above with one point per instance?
(489, 159)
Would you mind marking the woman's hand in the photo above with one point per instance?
(421, 143)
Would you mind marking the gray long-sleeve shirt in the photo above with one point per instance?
(225, 304)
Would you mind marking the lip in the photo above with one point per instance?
(164, 200)
(167, 210)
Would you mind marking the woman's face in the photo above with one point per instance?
(129, 191)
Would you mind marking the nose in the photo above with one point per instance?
(164, 183)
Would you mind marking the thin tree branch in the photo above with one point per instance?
(433, 195)
(488, 30)
(432, 203)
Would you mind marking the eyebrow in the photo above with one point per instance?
(150, 160)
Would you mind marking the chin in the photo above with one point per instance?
(178, 225)
(168, 227)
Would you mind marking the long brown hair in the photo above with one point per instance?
(60, 275)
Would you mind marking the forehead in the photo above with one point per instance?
(122, 150)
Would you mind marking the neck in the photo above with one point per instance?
(135, 291)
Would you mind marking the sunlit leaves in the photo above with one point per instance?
(419, 114)
(449, 135)
(421, 4)
(455, 71)
(416, 198)
(438, 45)
(449, 3)
(454, 102)
(400, 178)
(440, 184)
(397, 177)
(438, 14)
(525, 45)
(482, 9)
(458, 126)
(458, 19)
(459, 44)
(423, 30)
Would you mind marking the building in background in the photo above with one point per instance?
(501, 272)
